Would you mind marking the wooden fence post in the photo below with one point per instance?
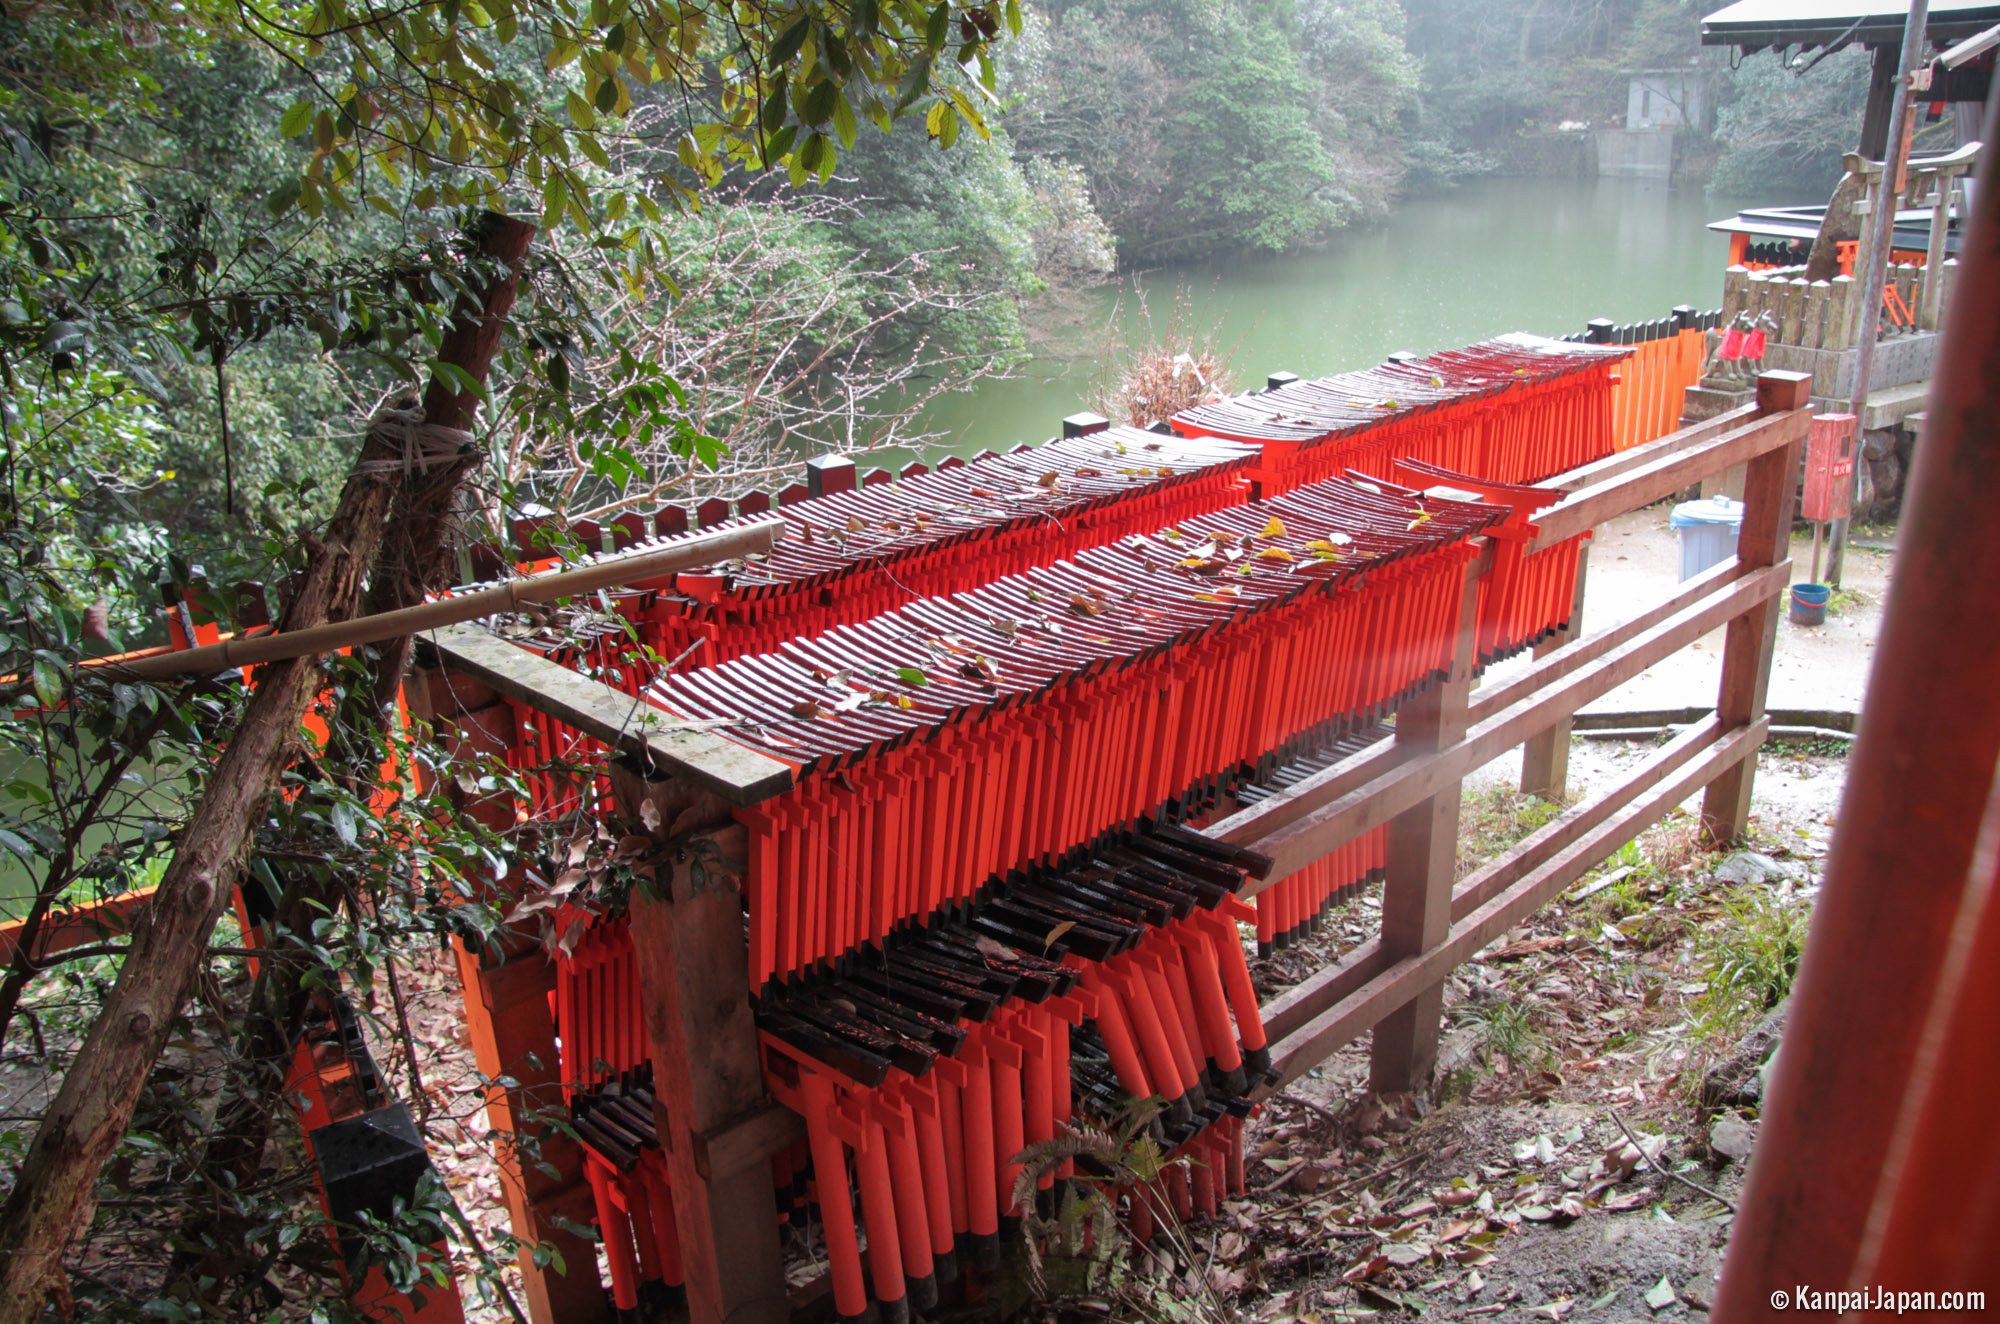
(1423, 860)
(1545, 758)
(1770, 495)
(708, 1074)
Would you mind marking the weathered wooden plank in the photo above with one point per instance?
(1266, 819)
(1674, 443)
(1322, 788)
(1545, 757)
(1591, 506)
(1322, 989)
(689, 947)
(631, 726)
(1770, 495)
(1410, 782)
(1490, 699)
(1316, 993)
(741, 1142)
(1367, 1006)
(1562, 832)
(1422, 860)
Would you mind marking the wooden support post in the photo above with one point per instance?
(1423, 861)
(1545, 758)
(1876, 112)
(1770, 496)
(513, 1035)
(708, 1076)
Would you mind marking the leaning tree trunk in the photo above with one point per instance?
(417, 559)
(54, 1196)
(414, 559)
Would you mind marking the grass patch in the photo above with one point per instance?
(1749, 955)
(1510, 1027)
(1491, 820)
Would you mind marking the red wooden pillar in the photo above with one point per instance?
(513, 1035)
(1879, 1164)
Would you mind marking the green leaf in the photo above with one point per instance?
(580, 113)
(843, 122)
(48, 682)
(912, 676)
(819, 102)
(938, 30)
(283, 198)
(915, 83)
(772, 114)
(297, 120)
(812, 152)
(555, 196)
(863, 19)
(789, 41)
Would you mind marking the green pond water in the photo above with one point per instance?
(1494, 256)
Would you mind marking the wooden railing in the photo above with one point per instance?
(1392, 985)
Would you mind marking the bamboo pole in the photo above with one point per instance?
(1882, 225)
(681, 554)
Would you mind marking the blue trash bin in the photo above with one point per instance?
(1708, 530)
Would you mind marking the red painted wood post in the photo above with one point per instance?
(513, 1035)
(1863, 1174)
(694, 988)
(827, 474)
(507, 1019)
(1770, 495)
(1423, 860)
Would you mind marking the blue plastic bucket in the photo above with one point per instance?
(1809, 603)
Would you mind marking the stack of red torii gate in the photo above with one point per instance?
(1005, 695)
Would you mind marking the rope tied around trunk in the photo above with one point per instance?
(415, 446)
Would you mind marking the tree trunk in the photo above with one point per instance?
(413, 560)
(55, 1194)
(417, 559)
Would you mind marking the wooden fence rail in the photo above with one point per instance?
(1393, 984)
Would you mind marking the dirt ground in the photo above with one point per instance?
(1516, 1194)
(1635, 562)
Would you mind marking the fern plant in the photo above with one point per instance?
(1085, 1229)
